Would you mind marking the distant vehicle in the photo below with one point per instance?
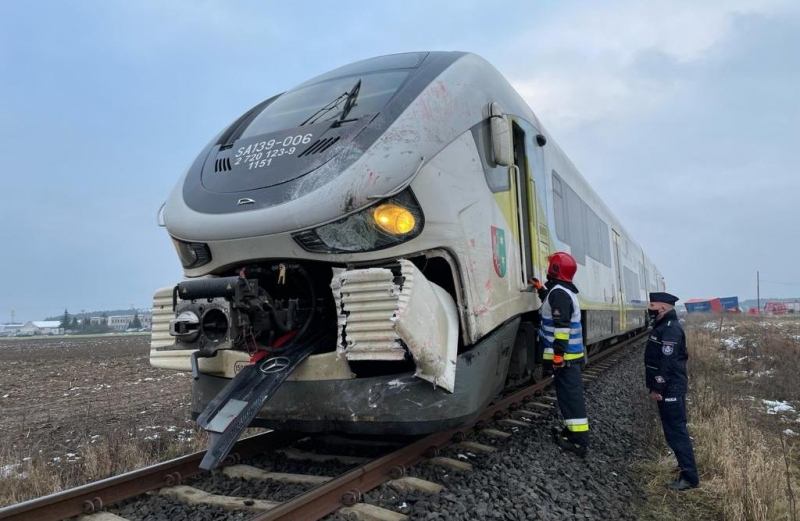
(781, 308)
(702, 305)
(730, 304)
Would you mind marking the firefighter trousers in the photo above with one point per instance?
(569, 392)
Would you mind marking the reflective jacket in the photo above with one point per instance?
(561, 330)
(665, 357)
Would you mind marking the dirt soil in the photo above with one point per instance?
(58, 392)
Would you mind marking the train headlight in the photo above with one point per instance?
(192, 254)
(393, 221)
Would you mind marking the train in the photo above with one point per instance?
(357, 252)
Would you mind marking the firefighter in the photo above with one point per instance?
(665, 373)
(562, 339)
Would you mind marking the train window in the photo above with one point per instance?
(578, 225)
(605, 244)
(496, 175)
(643, 276)
(631, 280)
(576, 216)
(296, 106)
(562, 232)
(594, 246)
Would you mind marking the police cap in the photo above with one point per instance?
(666, 298)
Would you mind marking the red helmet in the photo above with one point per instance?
(562, 266)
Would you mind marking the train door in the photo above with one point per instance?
(521, 181)
(540, 242)
(620, 294)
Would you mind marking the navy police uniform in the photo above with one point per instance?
(561, 334)
(665, 368)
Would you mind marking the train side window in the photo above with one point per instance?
(593, 232)
(631, 284)
(643, 276)
(605, 244)
(576, 216)
(496, 176)
(562, 232)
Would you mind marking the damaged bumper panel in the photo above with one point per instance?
(383, 316)
(397, 404)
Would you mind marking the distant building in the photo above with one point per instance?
(123, 322)
(96, 321)
(10, 329)
(44, 327)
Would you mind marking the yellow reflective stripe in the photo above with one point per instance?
(562, 336)
(578, 428)
(572, 356)
(547, 356)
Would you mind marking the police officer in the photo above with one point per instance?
(562, 338)
(665, 368)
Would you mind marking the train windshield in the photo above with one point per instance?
(319, 102)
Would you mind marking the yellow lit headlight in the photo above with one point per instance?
(394, 219)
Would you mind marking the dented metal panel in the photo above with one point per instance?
(384, 319)
(427, 321)
(367, 300)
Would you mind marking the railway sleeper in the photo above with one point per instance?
(195, 496)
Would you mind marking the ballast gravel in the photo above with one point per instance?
(530, 478)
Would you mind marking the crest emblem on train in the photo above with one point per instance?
(499, 251)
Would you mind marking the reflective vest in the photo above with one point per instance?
(549, 332)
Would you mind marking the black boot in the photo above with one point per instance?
(679, 485)
(567, 445)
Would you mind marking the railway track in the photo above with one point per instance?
(323, 494)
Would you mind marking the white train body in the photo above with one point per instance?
(477, 239)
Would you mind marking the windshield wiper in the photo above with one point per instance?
(349, 103)
(324, 110)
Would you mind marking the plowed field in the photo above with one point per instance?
(57, 393)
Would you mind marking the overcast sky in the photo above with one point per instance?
(684, 116)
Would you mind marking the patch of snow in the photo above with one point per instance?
(790, 432)
(733, 342)
(742, 359)
(463, 456)
(6, 395)
(774, 407)
(7, 471)
(395, 383)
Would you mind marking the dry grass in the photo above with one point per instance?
(748, 468)
(32, 472)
